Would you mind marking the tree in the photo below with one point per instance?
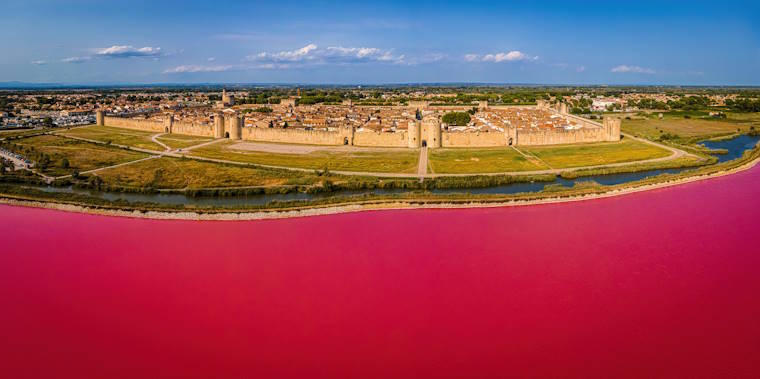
(456, 118)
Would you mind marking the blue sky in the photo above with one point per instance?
(547, 42)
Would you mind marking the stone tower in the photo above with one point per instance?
(431, 131)
(611, 127)
(482, 105)
(413, 134)
(227, 100)
(510, 135)
(563, 108)
(168, 123)
(347, 134)
(219, 125)
(100, 117)
(236, 127)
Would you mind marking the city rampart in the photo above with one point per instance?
(476, 139)
(193, 129)
(427, 132)
(310, 137)
(134, 123)
(380, 139)
(539, 137)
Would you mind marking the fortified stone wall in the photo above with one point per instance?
(134, 123)
(558, 136)
(380, 139)
(478, 139)
(193, 129)
(427, 131)
(310, 137)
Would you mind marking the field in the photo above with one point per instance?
(119, 136)
(482, 160)
(674, 123)
(490, 160)
(178, 173)
(364, 160)
(80, 155)
(567, 156)
(181, 141)
(22, 132)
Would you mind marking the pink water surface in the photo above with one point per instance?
(658, 284)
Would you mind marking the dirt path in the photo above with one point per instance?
(423, 163)
(532, 158)
(154, 138)
(201, 144)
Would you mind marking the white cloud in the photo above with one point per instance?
(197, 68)
(76, 59)
(632, 69)
(128, 51)
(39, 63)
(580, 69)
(211, 59)
(311, 53)
(304, 53)
(510, 56)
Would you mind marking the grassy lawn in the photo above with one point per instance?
(120, 136)
(401, 161)
(651, 127)
(181, 141)
(565, 156)
(82, 156)
(478, 161)
(22, 132)
(178, 173)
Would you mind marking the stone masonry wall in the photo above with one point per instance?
(478, 139)
(380, 139)
(134, 123)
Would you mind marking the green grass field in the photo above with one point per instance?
(178, 173)
(478, 161)
(651, 127)
(119, 136)
(491, 160)
(568, 156)
(181, 141)
(82, 156)
(379, 160)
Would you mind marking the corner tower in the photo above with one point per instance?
(100, 117)
(611, 128)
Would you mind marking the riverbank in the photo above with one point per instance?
(363, 206)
